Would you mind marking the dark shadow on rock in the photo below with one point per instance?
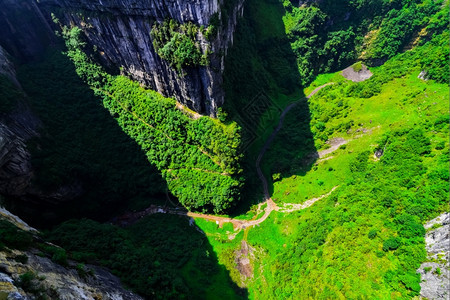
(24, 32)
(83, 163)
(161, 254)
(260, 74)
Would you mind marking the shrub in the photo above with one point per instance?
(22, 258)
(60, 256)
(13, 237)
(26, 281)
(276, 176)
(391, 243)
(178, 44)
(57, 254)
(357, 66)
(372, 234)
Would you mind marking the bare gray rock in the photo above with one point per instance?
(24, 32)
(423, 75)
(357, 76)
(6, 66)
(15, 166)
(435, 272)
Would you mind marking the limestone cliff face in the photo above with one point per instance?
(120, 31)
(15, 166)
(24, 31)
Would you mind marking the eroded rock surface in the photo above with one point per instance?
(16, 172)
(120, 31)
(50, 280)
(357, 75)
(435, 272)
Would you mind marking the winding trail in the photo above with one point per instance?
(130, 218)
(272, 137)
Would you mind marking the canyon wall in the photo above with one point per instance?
(120, 31)
(25, 33)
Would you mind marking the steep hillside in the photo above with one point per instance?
(33, 269)
(381, 147)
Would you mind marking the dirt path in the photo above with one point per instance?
(130, 218)
(290, 207)
(272, 137)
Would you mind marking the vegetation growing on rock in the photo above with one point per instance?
(198, 158)
(179, 44)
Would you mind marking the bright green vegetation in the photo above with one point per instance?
(357, 66)
(199, 159)
(222, 243)
(160, 257)
(332, 34)
(111, 169)
(366, 239)
(179, 44)
(260, 79)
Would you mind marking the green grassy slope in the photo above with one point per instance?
(366, 239)
(368, 234)
(260, 80)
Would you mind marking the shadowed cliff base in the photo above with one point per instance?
(83, 162)
(160, 256)
(83, 154)
(261, 80)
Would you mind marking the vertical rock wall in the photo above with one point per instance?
(120, 31)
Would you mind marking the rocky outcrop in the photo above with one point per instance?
(120, 31)
(32, 275)
(357, 73)
(243, 259)
(56, 281)
(6, 67)
(15, 166)
(435, 272)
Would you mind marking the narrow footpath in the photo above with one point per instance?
(130, 218)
